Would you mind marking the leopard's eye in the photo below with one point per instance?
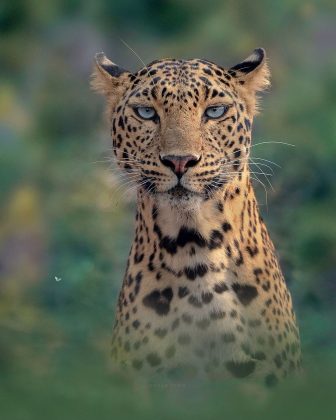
(214, 112)
(145, 112)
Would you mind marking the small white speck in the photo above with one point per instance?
(58, 278)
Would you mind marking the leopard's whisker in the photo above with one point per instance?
(264, 186)
(271, 142)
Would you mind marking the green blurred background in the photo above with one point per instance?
(66, 227)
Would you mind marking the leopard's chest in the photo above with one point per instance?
(187, 323)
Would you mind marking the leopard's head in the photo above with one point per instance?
(181, 129)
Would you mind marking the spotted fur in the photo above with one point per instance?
(203, 290)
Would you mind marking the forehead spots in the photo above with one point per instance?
(189, 76)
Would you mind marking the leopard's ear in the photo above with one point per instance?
(252, 76)
(109, 79)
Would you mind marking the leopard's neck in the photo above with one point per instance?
(225, 231)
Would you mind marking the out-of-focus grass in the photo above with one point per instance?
(82, 387)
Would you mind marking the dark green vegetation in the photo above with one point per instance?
(60, 220)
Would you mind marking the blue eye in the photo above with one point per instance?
(214, 112)
(145, 112)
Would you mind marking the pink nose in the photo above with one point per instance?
(179, 164)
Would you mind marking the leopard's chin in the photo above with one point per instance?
(180, 192)
(181, 198)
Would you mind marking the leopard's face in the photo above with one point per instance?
(181, 128)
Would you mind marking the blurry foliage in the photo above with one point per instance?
(66, 228)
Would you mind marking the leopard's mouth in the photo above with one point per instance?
(176, 193)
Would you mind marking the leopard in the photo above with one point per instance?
(203, 292)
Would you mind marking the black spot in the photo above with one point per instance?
(207, 297)
(129, 280)
(153, 359)
(138, 258)
(217, 314)
(214, 93)
(226, 226)
(182, 292)
(236, 153)
(245, 293)
(138, 279)
(167, 293)
(157, 230)
(234, 314)
(186, 236)
(194, 301)
(150, 266)
(154, 212)
(198, 271)
(155, 80)
(206, 81)
(121, 123)
(159, 301)
(240, 369)
(252, 251)
(136, 324)
(207, 71)
(143, 72)
(220, 287)
(169, 244)
(216, 239)
(240, 260)
(160, 332)
(153, 92)
(247, 123)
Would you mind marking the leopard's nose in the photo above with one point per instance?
(180, 164)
